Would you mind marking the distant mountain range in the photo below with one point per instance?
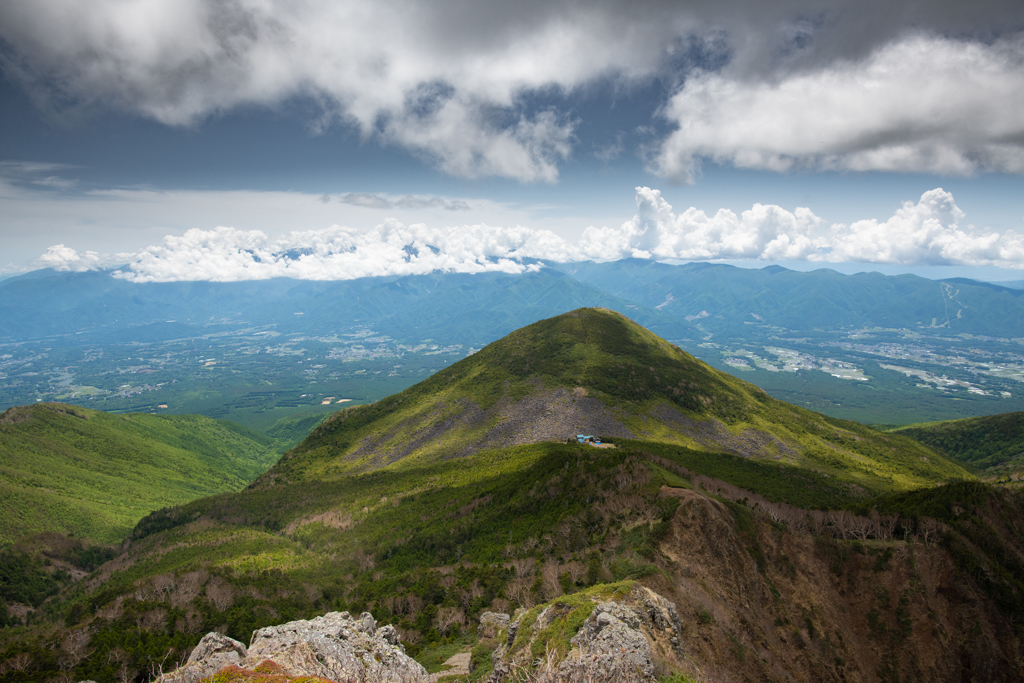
(1012, 284)
(472, 309)
(878, 349)
(724, 299)
(476, 309)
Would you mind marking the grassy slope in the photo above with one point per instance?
(94, 475)
(633, 372)
(993, 444)
(416, 516)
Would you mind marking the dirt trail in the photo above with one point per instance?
(459, 664)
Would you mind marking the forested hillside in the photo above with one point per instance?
(994, 445)
(93, 475)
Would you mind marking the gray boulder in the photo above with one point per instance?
(611, 646)
(213, 653)
(491, 623)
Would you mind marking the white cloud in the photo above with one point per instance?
(339, 253)
(64, 258)
(132, 219)
(920, 104)
(762, 232)
(463, 144)
(930, 232)
(926, 233)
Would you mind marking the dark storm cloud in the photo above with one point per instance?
(771, 85)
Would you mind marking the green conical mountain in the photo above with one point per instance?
(594, 371)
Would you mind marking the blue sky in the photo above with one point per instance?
(815, 134)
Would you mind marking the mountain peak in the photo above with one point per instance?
(588, 371)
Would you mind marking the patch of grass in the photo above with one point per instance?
(677, 677)
(481, 664)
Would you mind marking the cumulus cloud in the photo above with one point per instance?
(64, 258)
(484, 88)
(921, 104)
(762, 232)
(930, 232)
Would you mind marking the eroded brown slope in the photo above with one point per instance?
(761, 603)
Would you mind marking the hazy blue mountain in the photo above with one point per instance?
(1012, 284)
(476, 309)
(733, 297)
(469, 309)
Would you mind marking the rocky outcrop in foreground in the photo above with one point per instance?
(334, 647)
(613, 645)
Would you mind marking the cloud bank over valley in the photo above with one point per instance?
(931, 231)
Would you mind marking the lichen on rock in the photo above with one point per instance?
(492, 622)
(214, 652)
